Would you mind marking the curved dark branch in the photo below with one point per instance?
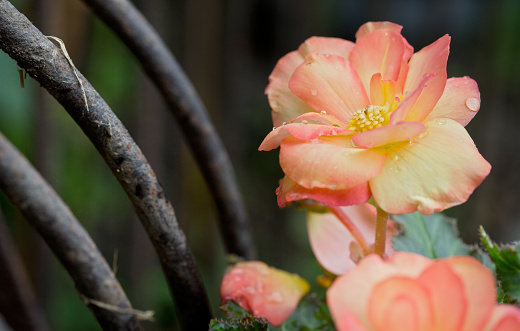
(46, 212)
(182, 99)
(46, 63)
(18, 302)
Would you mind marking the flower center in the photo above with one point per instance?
(369, 118)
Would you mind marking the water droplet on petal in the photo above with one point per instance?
(238, 271)
(413, 140)
(473, 104)
(326, 55)
(314, 92)
(441, 121)
(274, 128)
(323, 112)
(275, 297)
(284, 123)
(250, 289)
(314, 141)
(304, 122)
(332, 186)
(423, 134)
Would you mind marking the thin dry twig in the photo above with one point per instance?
(182, 99)
(45, 63)
(146, 315)
(69, 241)
(67, 56)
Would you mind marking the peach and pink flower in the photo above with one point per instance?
(262, 290)
(411, 292)
(342, 237)
(373, 118)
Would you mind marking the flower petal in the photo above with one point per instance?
(460, 101)
(329, 163)
(448, 296)
(331, 241)
(299, 131)
(284, 104)
(441, 169)
(373, 26)
(329, 83)
(321, 118)
(409, 100)
(400, 303)
(504, 318)
(430, 59)
(380, 51)
(384, 91)
(326, 45)
(289, 191)
(388, 134)
(479, 287)
(351, 291)
(349, 322)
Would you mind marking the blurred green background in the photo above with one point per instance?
(228, 49)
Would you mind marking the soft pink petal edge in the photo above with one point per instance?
(289, 191)
(351, 291)
(504, 318)
(479, 286)
(325, 164)
(329, 83)
(439, 170)
(326, 45)
(430, 59)
(300, 131)
(284, 104)
(380, 51)
(460, 101)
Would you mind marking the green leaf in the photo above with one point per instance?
(239, 319)
(311, 314)
(434, 236)
(507, 262)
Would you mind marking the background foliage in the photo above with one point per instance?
(228, 48)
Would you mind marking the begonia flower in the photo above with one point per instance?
(372, 118)
(411, 292)
(262, 290)
(342, 237)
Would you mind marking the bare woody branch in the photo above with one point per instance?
(45, 62)
(18, 302)
(182, 99)
(49, 215)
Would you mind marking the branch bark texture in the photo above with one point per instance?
(45, 62)
(182, 99)
(69, 241)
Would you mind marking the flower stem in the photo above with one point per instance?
(352, 228)
(381, 222)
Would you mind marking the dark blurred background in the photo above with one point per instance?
(228, 49)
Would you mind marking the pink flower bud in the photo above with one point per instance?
(264, 291)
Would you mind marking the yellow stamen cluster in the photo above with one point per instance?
(369, 118)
